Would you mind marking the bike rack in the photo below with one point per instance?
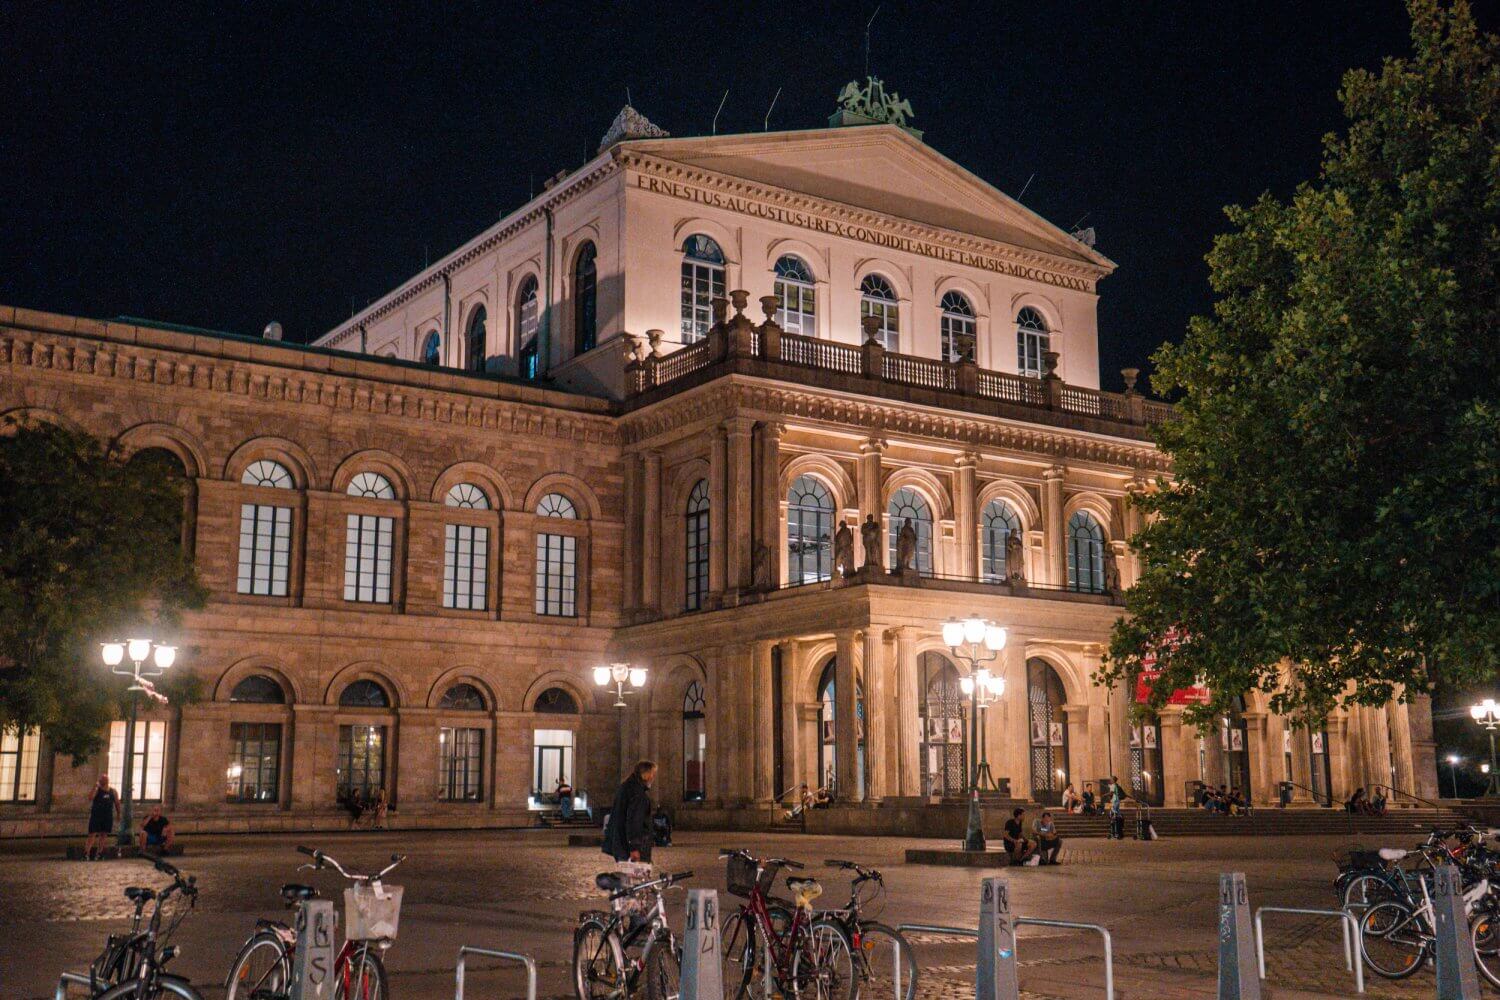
(1109, 951)
(925, 929)
(464, 951)
(71, 979)
(1346, 924)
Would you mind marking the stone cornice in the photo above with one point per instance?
(170, 359)
(884, 418)
(703, 186)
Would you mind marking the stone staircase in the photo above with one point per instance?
(1398, 826)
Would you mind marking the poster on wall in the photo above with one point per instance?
(1150, 737)
(955, 730)
(1224, 737)
(1038, 732)
(1055, 733)
(1317, 742)
(1286, 741)
(1236, 740)
(937, 730)
(1135, 736)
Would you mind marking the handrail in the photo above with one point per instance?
(1346, 924)
(464, 951)
(1311, 791)
(71, 978)
(1399, 791)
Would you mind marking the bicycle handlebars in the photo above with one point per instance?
(665, 882)
(320, 859)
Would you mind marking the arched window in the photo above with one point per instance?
(702, 282)
(796, 310)
(809, 531)
(372, 485)
(828, 732)
(1085, 554)
(1145, 759)
(997, 525)
(878, 299)
(528, 320)
(585, 299)
(908, 503)
(476, 339)
(364, 694)
(695, 550)
(258, 689)
(944, 770)
(957, 322)
(463, 697)
(1049, 732)
(555, 701)
(265, 556)
(556, 561)
(432, 349)
(1032, 340)
(368, 543)
(468, 496)
(694, 744)
(1234, 742)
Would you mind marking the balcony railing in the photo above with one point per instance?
(738, 337)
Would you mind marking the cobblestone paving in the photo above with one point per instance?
(523, 890)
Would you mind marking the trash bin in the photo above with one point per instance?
(1286, 793)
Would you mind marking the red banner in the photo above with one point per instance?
(1196, 694)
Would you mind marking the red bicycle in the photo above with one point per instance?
(773, 947)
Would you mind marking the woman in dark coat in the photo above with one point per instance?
(628, 835)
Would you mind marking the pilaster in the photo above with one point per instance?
(739, 501)
(1054, 536)
(877, 693)
(870, 501)
(966, 525)
(845, 715)
(908, 712)
(651, 530)
(718, 460)
(763, 697)
(768, 499)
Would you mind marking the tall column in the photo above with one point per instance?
(845, 732)
(793, 749)
(908, 747)
(739, 501)
(1134, 522)
(1380, 747)
(630, 558)
(1424, 774)
(1054, 539)
(718, 460)
(651, 530)
(718, 754)
(1010, 756)
(1399, 728)
(741, 719)
(1260, 791)
(869, 491)
(1340, 779)
(1301, 760)
(877, 694)
(1175, 743)
(764, 698)
(965, 520)
(768, 498)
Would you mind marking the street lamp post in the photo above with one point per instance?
(618, 674)
(1487, 714)
(113, 655)
(976, 642)
(1453, 762)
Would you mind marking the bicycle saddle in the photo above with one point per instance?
(292, 892)
(609, 882)
(1392, 854)
(136, 892)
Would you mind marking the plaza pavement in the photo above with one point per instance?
(522, 890)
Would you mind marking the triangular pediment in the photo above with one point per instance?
(882, 169)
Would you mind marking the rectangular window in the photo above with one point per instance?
(1030, 346)
(265, 549)
(460, 764)
(20, 755)
(696, 568)
(556, 575)
(254, 762)
(465, 563)
(367, 559)
(148, 761)
(361, 764)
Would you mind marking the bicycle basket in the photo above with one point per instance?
(372, 912)
(741, 875)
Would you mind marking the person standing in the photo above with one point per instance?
(628, 836)
(1116, 800)
(104, 808)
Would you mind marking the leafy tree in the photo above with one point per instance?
(92, 549)
(1335, 499)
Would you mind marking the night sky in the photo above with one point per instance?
(223, 166)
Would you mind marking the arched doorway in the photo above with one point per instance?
(1145, 760)
(552, 748)
(942, 736)
(1048, 732)
(827, 732)
(1234, 743)
(694, 743)
(1317, 747)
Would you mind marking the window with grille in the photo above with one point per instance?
(265, 534)
(694, 744)
(908, 503)
(20, 759)
(254, 762)
(585, 295)
(809, 531)
(878, 299)
(556, 575)
(1085, 554)
(361, 762)
(702, 282)
(148, 763)
(460, 764)
(476, 338)
(957, 324)
(1032, 340)
(528, 323)
(367, 558)
(998, 524)
(696, 547)
(465, 564)
(796, 310)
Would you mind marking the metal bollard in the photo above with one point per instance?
(1456, 976)
(995, 976)
(702, 976)
(312, 966)
(1238, 977)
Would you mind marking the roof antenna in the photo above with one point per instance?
(765, 126)
(721, 108)
(627, 97)
(1075, 225)
(867, 37)
(1026, 185)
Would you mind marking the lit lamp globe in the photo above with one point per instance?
(994, 638)
(138, 649)
(164, 656)
(966, 685)
(112, 652)
(974, 630)
(637, 677)
(953, 634)
(601, 676)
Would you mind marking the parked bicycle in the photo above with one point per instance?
(880, 950)
(1397, 935)
(810, 958)
(263, 968)
(618, 953)
(133, 966)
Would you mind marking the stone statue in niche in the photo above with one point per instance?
(843, 551)
(760, 567)
(1111, 570)
(1015, 558)
(906, 547)
(869, 535)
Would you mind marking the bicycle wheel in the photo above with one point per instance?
(1485, 933)
(165, 988)
(740, 948)
(1393, 940)
(885, 954)
(262, 968)
(365, 977)
(823, 964)
(662, 967)
(598, 964)
(1364, 891)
